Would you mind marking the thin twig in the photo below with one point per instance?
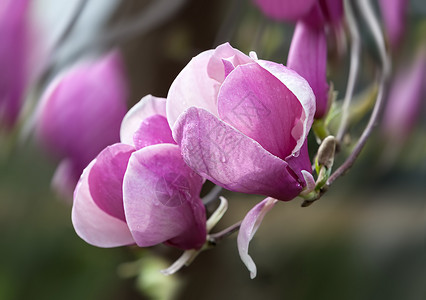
(228, 27)
(219, 236)
(353, 69)
(364, 137)
(70, 25)
(368, 14)
(47, 72)
(212, 195)
(154, 15)
(374, 25)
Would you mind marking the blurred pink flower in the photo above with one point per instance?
(242, 122)
(80, 114)
(140, 190)
(394, 17)
(14, 46)
(406, 94)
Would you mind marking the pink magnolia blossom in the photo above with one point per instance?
(13, 58)
(80, 114)
(140, 190)
(242, 122)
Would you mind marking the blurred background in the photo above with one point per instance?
(365, 239)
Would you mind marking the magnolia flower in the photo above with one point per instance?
(242, 122)
(80, 114)
(13, 58)
(140, 190)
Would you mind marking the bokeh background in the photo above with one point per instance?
(365, 239)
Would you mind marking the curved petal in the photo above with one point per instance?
(230, 159)
(302, 90)
(224, 57)
(153, 130)
(289, 10)
(248, 228)
(94, 225)
(161, 199)
(193, 87)
(310, 183)
(301, 162)
(259, 105)
(106, 179)
(146, 107)
(308, 57)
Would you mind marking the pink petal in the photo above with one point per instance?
(248, 229)
(146, 107)
(222, 56)
(289, 10)
(301, 89)
(81, 111)
(153, 130)
(161, 199)
(193, 87)
(259, 105)
(310, 183)
(198, 83)
(300, 162)
(308, 57)
(230, 159)
(94, 225)
(106, 179)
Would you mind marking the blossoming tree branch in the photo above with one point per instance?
(230, 118)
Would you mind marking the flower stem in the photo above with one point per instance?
(353, 69)
(216, 238)
(368, 14)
